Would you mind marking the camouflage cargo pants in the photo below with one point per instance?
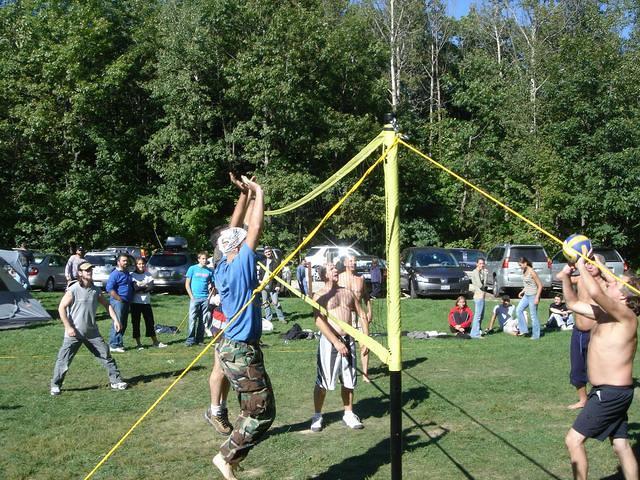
(243, 365)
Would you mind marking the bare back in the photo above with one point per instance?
(354, 283)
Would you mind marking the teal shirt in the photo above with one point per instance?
(200, 278)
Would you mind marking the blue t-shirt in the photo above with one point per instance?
(235, 282)
(121, 282)
(200, 278)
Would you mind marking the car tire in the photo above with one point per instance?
(49, 285)
(496, 287)
(413, 291)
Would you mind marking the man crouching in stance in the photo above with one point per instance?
(609, 368)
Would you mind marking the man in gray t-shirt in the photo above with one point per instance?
(77, 311)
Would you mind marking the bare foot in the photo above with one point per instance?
(225, 468)
(576, 406)
(365, 378)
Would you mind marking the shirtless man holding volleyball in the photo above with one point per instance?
(610, 360)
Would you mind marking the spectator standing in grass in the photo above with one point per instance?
(120, 288)
(271, 291)
(505, 313)
(77, 311)
(530, 297)
(239, 350)
(559, 315)
(198, 283)
(301, 276)
(71, 268)
(376, 278)
(460, 317)
(478, 287)
(612, 348)
(141, 305)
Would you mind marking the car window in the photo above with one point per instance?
(559, 258)
(38, 258)
(533, 254)
(495, 255)
(435, 259)
(55, 261)
(312, 251)
(101, 260)
(168, 260)
(609, 254)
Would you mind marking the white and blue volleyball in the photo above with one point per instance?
(575, 245)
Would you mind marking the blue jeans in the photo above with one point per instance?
(528, 301)
(116, 339)
(197, 310)
(478, 313)
(268, 299)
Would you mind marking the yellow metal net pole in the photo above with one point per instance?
(393, 297)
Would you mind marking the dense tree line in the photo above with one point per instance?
(119, 120)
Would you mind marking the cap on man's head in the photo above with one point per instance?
(267, 249)
(84, 266)
(231, 238)
(79, 248)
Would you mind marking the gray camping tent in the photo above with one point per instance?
(17, 307)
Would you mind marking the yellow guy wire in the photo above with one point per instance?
(169, 388)
(382, 353)
(602, 268)
(255, 292)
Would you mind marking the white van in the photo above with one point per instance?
(504, 271)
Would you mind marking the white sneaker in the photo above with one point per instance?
(207, 332)
(316, 423)
(55, 390)
(351, 420)
(161, 345)
(117, 349)
(119, 386)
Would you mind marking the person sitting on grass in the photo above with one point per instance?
(460, 317)
(505, 313)
(559, 315)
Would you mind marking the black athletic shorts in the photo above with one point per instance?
(605, 413)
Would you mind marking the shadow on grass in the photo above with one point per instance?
(292, 317)
(520, 452)
(384, 369)
(368, 463)
(11, 407)
(634, 440)
(154, 376)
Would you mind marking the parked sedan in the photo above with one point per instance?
(103, 264)
(47, 271)
(431, 271)
(612, 258)
(168, 269)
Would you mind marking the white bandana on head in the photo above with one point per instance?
(231, 238)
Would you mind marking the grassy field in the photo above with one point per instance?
(485, 409)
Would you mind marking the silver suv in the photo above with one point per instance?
(612, 258)
(504, 271)
(169, 268)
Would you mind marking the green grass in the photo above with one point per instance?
(492, 408)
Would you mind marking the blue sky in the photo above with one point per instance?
(459, 8)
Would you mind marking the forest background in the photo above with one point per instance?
(119, 120)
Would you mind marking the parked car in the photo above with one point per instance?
(168, 269)
(431, 271)
(363, 268)
(47, 271)
(103, 264)
(467, 257)
(322, 254)
(613, 261)
(504, 271)
(132, 250)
